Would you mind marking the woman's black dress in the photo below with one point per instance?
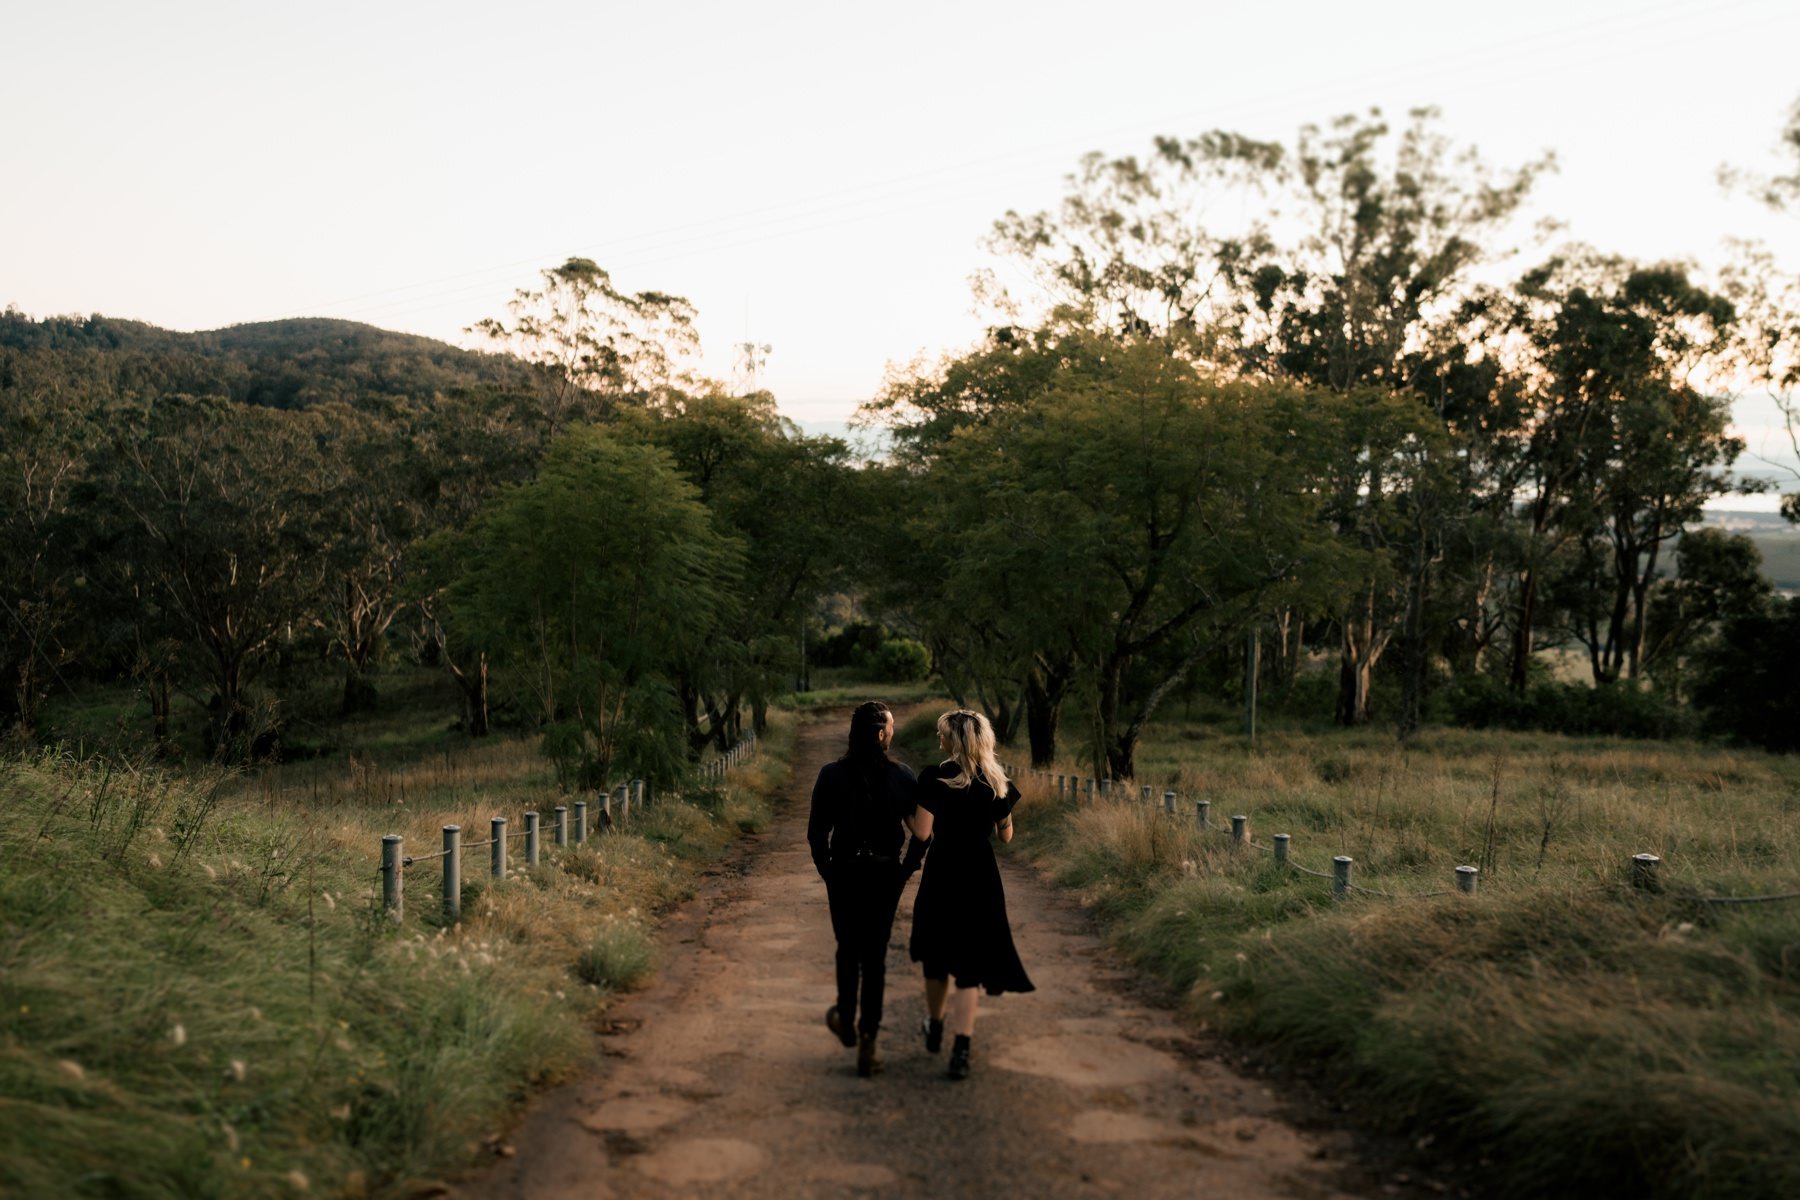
(960, 928)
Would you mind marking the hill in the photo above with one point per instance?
(277, 364)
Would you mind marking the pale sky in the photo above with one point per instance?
(818, 177)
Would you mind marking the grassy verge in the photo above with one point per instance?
(835, 689)
(1565, 1031)
(200, 995)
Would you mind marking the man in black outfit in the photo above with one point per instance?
(862, 808)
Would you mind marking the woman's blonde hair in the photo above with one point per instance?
(971, 742)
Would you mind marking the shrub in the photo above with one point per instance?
(1749, 680)
(1623, 709)
(621, 955)
(901, 660)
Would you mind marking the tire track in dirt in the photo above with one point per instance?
(722, 1079)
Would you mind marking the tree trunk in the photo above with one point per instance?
(1521, 650)
(159, 708)
(1412, 649)
(474, 687)
(1043, 709)
(1356, 669)
(359, 694)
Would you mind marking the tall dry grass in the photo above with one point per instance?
(1573, 1034)
(200, 994)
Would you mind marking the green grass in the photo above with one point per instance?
(1576, 1035)
(201, 996)
(836, 687)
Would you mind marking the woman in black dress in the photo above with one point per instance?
(960, 930)
(862, 805)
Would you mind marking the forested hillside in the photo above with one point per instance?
(1325, 462)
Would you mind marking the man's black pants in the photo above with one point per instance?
(864, 894)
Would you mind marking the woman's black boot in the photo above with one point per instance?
(840, 1026)
(959, 1058)
(867, 1061)
(934, 1034)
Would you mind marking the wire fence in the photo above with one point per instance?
(1644, 869)
(569, 826)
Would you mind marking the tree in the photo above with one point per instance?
(1123, 521)
(593, 346)
(1357, 277)
(786, 496)
(1718, 578)
(44, 435)
(595, 580)
(209, 526)
(1768, 301)
(365, 550)
(1748, 683)
(1622, 450)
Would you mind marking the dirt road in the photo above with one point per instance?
(723, 1080)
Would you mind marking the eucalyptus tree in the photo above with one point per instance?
(1768, 302)
(366, 546)
(1622, 448)
(594, 582)
(788, 497)
(46, 427)
(993, 644)
(1718, 579)
(205, 519)
(1126, 518)
(592, 345)
(1355, 272)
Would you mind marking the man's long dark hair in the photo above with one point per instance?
(865, 752)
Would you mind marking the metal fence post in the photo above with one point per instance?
(624, 802)
(1644, 871)
(1090, 791)
(1281, 849)
(637, 792)
(1340, 876)
(1169, 803)
(1200, 810)
(393, 891)
(605, 798)
(1466, 879)
(1144, 795)
(531, 838)
(1106, 789)
(580, 822)
(497, 848)
(1240, 831)
(453, 872)
(561, 819)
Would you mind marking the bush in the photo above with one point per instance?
(621, 955)
(1623, 709)
(901, 660)
(1749, 680)
(850, 646)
